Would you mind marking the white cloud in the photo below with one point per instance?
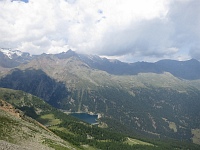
(146, 30)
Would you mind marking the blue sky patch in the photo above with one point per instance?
(25, 1)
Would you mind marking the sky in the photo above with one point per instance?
(128, 30)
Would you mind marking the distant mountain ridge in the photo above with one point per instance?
(189, 69)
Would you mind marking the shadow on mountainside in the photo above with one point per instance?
(37, 83)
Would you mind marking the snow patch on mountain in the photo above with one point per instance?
(11, 53)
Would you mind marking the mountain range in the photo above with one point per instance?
(159, 100)
(189, 69)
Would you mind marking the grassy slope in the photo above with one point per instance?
(196, 137)
(24, 132)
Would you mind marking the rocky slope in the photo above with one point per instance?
(17, 131)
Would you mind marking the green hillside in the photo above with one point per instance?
(77, 134)
(18, 131)
(63, 125)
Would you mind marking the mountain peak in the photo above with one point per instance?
(10, 53)
(193, 60)
(66, 54)
(12, 58)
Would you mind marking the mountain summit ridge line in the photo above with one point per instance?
(189, 69)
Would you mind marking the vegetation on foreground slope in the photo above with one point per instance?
(18, 131)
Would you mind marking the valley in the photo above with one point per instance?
(138, 103)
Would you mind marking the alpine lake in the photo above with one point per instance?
(89, 118)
